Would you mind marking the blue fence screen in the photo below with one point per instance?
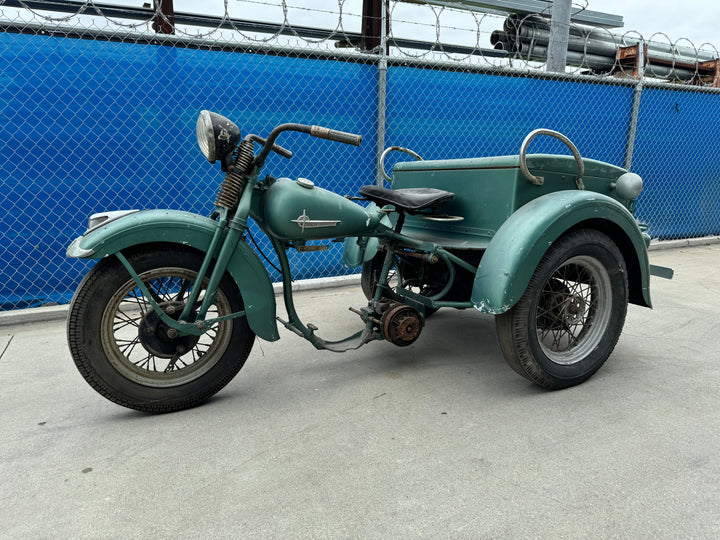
(90, 126)
(97, 125)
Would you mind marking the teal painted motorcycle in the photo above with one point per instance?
(548, 244)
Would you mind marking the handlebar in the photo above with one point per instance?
(315, 131)
(284, 152)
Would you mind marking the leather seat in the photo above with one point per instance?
(410, 200)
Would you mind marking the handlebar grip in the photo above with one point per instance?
(338, 136)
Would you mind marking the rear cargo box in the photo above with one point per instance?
(488, 190)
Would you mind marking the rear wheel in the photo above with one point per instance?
(126, 353)
(396, 279)
(570, 318)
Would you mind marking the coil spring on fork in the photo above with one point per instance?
(235, 178)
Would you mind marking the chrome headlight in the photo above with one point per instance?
(216, 135)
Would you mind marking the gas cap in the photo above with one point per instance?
(304, 182)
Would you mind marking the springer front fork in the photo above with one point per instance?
(192, 319)
(226, 237)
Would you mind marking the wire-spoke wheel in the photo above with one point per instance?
(568, 321)
(144, 349)
(128, 354)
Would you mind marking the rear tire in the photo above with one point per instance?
(568, 321)
(128, 355)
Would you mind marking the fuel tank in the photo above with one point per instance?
(299, 210)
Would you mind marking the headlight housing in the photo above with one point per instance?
(216, 135)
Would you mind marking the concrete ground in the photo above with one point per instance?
(438, 440)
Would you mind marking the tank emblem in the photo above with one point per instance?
(304, 222)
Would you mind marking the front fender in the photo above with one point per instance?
(184, 228)
(518, 246)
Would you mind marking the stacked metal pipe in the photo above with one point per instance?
(527, 37)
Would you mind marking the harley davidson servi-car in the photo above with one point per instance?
(546, 243)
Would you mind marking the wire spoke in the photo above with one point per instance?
(145, 349)
(154, 288)
(147, 362)
(124, 323)
(127, 346)
(137, 299)
(184, 287)
(570, 302)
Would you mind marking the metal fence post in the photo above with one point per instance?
(635, 110)
(382, 94)
(559, 33)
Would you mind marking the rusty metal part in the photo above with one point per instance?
(425, 257)
(401, 325)
(366, 316)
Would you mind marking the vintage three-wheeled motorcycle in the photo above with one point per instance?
(547, 243)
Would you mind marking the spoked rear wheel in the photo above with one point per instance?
(570, 318)
(124, 350)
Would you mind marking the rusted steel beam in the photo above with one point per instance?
(164, 19)
(371, 26)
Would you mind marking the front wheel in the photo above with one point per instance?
(571, 315)
(126, 353)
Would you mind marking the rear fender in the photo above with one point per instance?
(518, 246)
(184, 228)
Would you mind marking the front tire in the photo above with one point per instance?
(125, 352)
(568, 321)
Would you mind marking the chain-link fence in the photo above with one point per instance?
(99, 113)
